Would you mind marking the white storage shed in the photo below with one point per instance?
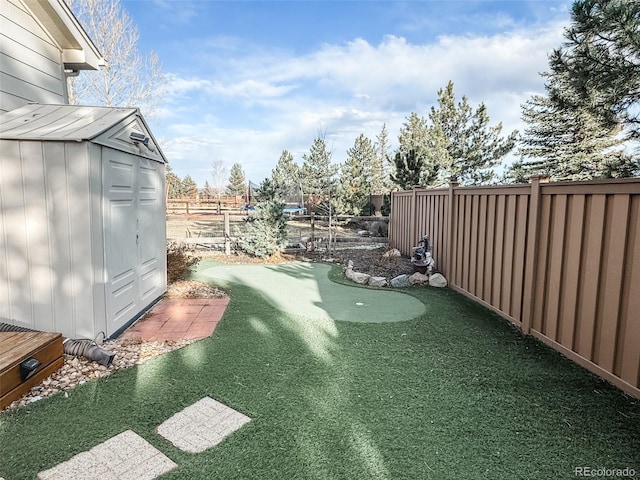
(82, 219)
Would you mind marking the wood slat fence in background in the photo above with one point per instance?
(559, 260)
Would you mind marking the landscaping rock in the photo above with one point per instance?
(378, 281)
(361, 278)
(418, 279)
(437, 280)
(379, 229)
(394, 252)
(401, 281)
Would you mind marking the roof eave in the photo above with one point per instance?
(78, 50)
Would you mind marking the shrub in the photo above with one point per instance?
(266, 231)
(179, 261)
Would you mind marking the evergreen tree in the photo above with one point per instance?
(207, 191)
(318, 173)
(383, 162)
(174, 184)
(417, 147)
(237, 182)
(602, 60)
(461, 143)
(408, 169)
(266, 231)
(285, 177)
(414, 134)
(565, 141)
(356, 174)
(189, 187)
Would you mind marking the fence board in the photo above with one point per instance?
(627, 364)
(614, 249)
(570, 282)
(473, 246)
(507, 264)
(482, 247)
(519, 260)
(560, 260)
(498, 252)
(556, 258)
(591, 260)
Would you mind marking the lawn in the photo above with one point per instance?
(453, 391)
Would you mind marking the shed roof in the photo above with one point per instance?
(107, 126)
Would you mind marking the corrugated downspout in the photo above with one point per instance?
(85, 348)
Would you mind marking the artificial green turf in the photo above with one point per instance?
(454, 393)
(304, 290)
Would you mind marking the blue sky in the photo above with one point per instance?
(249, 79)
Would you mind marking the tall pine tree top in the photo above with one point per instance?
(602, 59)
(237, 182)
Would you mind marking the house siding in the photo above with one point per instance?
(31, 68)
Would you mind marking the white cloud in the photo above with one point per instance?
(252, 106)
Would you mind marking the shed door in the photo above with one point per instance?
(134, 236)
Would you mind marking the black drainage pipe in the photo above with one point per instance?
(85, 348)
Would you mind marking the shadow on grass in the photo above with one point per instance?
(453, 393)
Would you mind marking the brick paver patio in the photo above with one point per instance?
(179, 319)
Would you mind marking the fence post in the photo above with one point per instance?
(453, 183)
(227, 237)
(530, 262)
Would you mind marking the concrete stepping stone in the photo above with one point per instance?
(202, 425)
(127, 456)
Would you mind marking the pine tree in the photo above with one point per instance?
(318, 173)
(565, 140)
(266, 231)
(602, 60)
(285, 177)
(414, 135)
(237, 182)
(189, 187)
(355, 179)
(408, 169)
(174, 184)
(462, 143)
(381, 166)
(207, 191)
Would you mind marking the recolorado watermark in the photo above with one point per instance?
(604, 472)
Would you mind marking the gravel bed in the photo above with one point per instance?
(78, 370)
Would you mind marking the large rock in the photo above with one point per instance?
(378, 281)
(437, 280)
(401, 281)
(361, 278)
(394, 252)
(379, 229)
(357, 277)
(418, 279)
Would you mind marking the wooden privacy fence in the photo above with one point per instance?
(559, 260)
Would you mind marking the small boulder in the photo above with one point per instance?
(401, 281)
(378, 282)
(418, 279)
(394, 252)
(379, 229)
(437, 280)
(361, 278)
